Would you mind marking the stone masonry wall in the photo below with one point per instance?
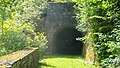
(58, 15)
(89, 55)
(20, 59)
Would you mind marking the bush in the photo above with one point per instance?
(19, 37)
(17, 25)
(100, 20)
(12, 39)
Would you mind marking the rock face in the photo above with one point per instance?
(59, 15)
(20, 59)
(89, 55)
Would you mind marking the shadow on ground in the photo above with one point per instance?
(40, 64)
(63, 56)
(46, 65)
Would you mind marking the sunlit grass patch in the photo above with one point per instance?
(64, 61)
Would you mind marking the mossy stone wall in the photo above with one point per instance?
(20, 59)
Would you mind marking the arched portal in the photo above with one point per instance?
(65, 41)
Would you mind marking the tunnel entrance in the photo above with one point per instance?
(65, 41)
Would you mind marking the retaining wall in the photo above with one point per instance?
(20, 59)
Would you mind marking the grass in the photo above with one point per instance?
(64, 61)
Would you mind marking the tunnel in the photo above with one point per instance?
(65, 41)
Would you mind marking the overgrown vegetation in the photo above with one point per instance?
(18, 21)
(100, 21)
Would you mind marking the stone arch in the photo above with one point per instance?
(59, 16)
(64, 40)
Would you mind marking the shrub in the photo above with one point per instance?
(19, 37)
(12, 39)
(17, 25)
(100, 20)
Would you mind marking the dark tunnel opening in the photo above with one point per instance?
(65, 42)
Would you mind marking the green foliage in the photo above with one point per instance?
(5, 6)
(17, 25)
(12, 39)
(16, 38)
(33, 11)
(100, 20)
(108, 48)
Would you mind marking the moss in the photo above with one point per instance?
(10, 56)
(2, 67)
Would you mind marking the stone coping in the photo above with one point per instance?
(8, 60)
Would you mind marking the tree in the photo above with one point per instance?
(17, 25)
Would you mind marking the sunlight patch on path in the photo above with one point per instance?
(63, 61)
